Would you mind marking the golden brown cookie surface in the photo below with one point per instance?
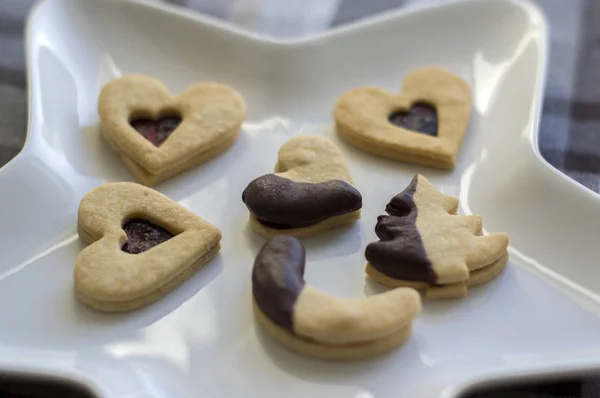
(159, 135)
(142, 245)
(403, 126)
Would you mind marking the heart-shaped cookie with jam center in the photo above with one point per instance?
(157, 135)
(142, 246)
(311, 191)
(424, 124)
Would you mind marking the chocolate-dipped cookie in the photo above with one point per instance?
(311, 191)
(424, 244)
(314, 323)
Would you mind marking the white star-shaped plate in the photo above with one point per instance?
(540, 317)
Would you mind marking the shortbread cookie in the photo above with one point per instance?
(424, 124)
(314, 323)
(142, 246)
(425, 245)
(157, 135)
(310, 192)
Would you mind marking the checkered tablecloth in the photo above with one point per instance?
(570, 127)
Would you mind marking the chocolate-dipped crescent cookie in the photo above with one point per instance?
(424, 244)
(311, 191)
(314, 323)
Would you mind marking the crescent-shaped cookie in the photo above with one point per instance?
(317, 324)
(311, 191)
(424, 244)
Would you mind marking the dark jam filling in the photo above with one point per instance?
(421, 118)
(143, 235)
(156, 131)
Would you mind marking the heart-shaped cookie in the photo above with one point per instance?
(310, 192)
(142, 246)
(158, 135)
(424, 124)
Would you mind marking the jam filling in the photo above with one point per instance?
(142, 235)
(156, 131)
(420, 117)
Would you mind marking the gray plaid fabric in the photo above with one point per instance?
(570, 128)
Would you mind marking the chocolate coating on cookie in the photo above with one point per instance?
(277, 278)
(281, 203)
(400, 253)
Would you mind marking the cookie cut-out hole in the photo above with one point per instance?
(420, 117)
(142, 235)
(156, 131)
